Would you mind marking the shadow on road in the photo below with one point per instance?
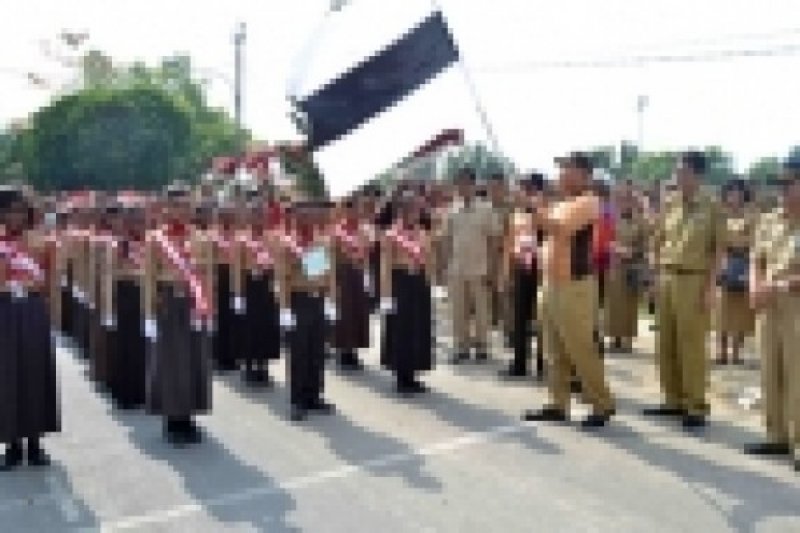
(42, 499)
(228, 489)
(374, 452)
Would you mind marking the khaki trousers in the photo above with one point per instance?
(683, 326)
(568, 319)
(779, 339)
(468, 295)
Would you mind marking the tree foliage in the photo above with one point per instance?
(133, 127)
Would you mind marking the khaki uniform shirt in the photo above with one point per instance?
(468, 235)
(689, 235)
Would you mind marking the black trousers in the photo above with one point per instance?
(525, 296)
(307, 349)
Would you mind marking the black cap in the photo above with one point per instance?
(497, 176)
(10, 196)
(466, 174)
(579, 160)
(534, 180)
(694, 160)
(737, 184)
(792, 163)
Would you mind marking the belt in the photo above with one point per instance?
(683, 271)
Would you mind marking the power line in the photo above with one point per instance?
(644, 60)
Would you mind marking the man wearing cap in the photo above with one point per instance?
(775, 294)
(468, 232)
(688, 239)
(569, 296)
(28, 392)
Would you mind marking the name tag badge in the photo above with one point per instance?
(316, 262)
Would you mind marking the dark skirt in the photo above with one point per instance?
(97, 349)
(67, 302)
(375, 273)
(352, 328)
(407, 344)
(307, 349)
(225, 347)
(28, 391)
(524, 301)
(127, 361)
(262, 335)
(178, 366)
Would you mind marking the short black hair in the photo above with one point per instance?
(738, 184)
(579, 160)
(534, 180)
(694, 160)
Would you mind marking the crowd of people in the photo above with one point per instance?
(161, 291)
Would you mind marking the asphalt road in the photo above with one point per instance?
(455, 460)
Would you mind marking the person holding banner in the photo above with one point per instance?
(307, 298)
(407, 271)
(351, 246)
(29, 405)
(177, 316)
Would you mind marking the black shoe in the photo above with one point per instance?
(513, 372)
(767, 448)
(546, 414)
(417, 387)
(13, 457)
(460, 357)
(797, 465)
(481, 356)
(575, 386)
(597, 420)
(350, 362)
(663, 410)
(321, 406)
(297, 413)
(259, 377)
(37, 455)
(694, 421)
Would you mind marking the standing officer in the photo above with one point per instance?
(736, 320)
(502, 209)
(468, 233)
(569, 296)
(688, 240)
(626, 276)
(775, 293)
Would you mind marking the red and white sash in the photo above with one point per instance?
(257, 252)
(22, 267)
(352, 243)
(525, 250)
(408, 243)
(179, 258)
(291, 243)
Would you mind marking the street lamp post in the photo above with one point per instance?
(238, 40)
(641, 105)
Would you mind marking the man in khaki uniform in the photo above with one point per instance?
(570, 296)
(502, 208)
(775, 293)
(468, 233)
(687, 254)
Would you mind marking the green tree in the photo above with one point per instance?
(765, 169)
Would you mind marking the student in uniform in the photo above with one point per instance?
(351, 247)
(177, 310)
(407, 269)
(29, 405)
(520, 279)
(307, 306)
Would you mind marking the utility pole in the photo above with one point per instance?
(641, 105)
(238, 40)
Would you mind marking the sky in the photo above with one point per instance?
(537, 109)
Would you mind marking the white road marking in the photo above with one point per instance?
(231, 498)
